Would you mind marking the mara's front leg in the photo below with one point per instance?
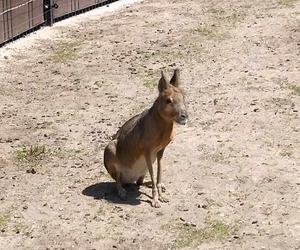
(160, 186)
(155, 201)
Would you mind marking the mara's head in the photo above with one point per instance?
(171, 103)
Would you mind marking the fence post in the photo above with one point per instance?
(49, 12)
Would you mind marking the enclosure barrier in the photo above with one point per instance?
(20, 17)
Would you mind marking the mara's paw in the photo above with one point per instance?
(163, 199)
(162, 187)
(155, 203)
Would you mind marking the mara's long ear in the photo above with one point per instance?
(163, 82)
(175, 81)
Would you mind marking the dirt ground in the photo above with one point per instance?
(232, 174)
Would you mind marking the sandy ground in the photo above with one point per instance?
(232, 174)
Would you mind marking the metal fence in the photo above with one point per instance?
(19, 17)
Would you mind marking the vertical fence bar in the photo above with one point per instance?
(49, 12)
(10, 21)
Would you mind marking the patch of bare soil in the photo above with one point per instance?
(232, 174)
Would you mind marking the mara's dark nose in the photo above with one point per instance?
(184, 116)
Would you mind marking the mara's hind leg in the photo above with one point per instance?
(110, 163)
(121, 191)
(140, 181)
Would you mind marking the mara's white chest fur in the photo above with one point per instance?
(137, 170)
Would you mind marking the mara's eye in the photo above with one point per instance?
(169, 100)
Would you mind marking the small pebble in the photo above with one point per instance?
(31, 171)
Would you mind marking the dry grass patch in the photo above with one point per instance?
(65, 51)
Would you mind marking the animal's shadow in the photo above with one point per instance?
(107, 191)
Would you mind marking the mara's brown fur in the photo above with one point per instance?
(143, 138)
